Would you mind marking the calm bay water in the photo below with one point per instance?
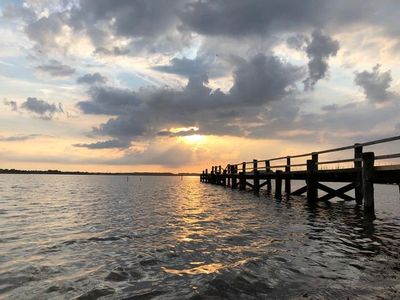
(86, 237)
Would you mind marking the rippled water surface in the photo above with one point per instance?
(87, 237)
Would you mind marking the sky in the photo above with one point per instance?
(177, 85)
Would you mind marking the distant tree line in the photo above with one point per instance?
(15, 171)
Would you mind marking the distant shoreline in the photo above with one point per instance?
(57, 172)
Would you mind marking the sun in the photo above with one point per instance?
(194, 139)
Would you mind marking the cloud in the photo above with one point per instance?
(116, 51)
(14, 12)
(236, 18)
(178, 133)
(12, 104)
(375, 84)
(296, 42)
(92, 79)
(203, 65)
(149, 25)
(263, 79)
(318, 50)
(46, 30)
(262, 17)
(115, 143)
(41, 108)
(56, 68)
(20, 137)
(161, 26)
(257, 82)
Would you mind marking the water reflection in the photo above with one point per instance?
(166, 238)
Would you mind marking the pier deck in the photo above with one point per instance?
(361, 176)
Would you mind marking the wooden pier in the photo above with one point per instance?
(361, 176)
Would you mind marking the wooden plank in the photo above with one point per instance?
(386, 176)
(332, 193)
(300, 191)
(387, 168)
(249, 184)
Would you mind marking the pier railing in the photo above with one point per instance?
(360, 175)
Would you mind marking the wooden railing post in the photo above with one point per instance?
(268, 170)
(207, 176)
(242, 177)
(358, 189)
(368, 185)
(256, 177)
(287, 179)
(312, 189)
(314, 157)
(278, 184)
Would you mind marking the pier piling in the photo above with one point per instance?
(312, 189)
(278, 184)
(256, 178)
(234, 177)
(268, 180)
(368, 185)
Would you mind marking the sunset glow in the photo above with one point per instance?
(119, 87)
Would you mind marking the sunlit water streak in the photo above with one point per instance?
(63, 237)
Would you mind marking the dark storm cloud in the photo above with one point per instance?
(56, 68)
(12, 104)
(115, 143)
(375, 84)
(131, 18)
(91, 79)
(109, 101)
(257, 82)
(318, 50)
(151, 24)
(41, 108)
(263, 77)
(238, 18)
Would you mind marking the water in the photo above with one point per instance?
(64, 237)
